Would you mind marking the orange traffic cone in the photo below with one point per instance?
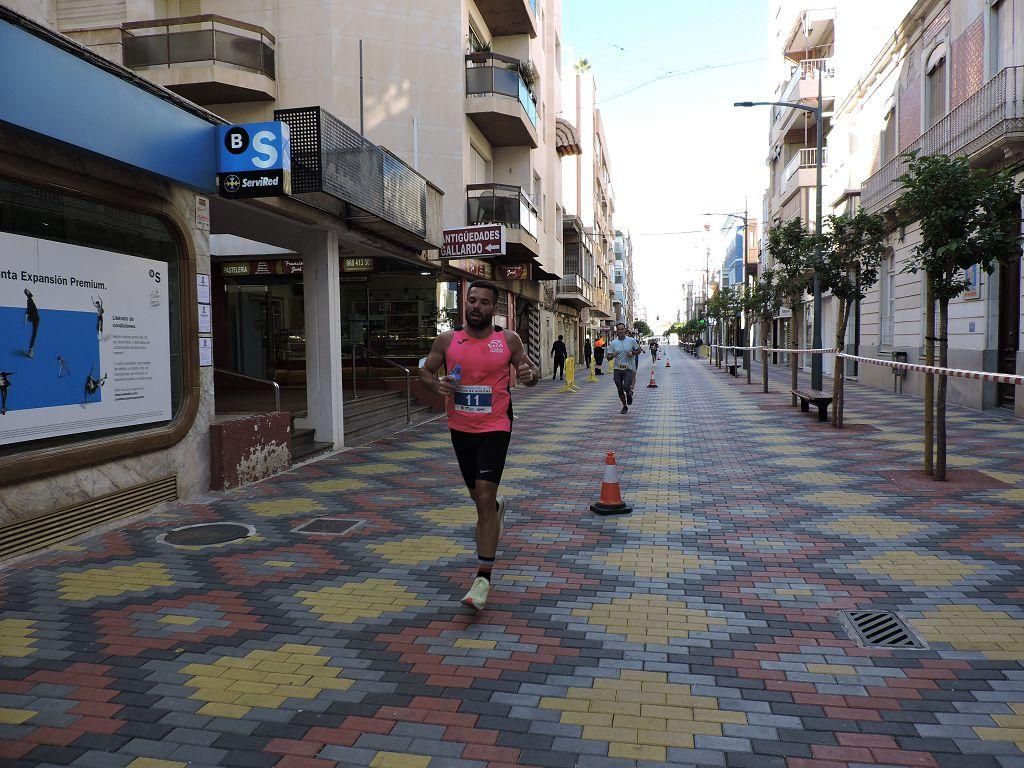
(653, 384)
(668, 362)
(611, 502)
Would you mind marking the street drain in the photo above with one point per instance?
(329, 526)
(880, 629)
(206, 534)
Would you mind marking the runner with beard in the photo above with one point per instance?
(479, 403)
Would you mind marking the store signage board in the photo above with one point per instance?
(481, 241)
(254, 160)
(513, 272)
(356, 264)
(203, 213)
(88, 339)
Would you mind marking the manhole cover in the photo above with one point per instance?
(331, 526)
(880, 629)
(206, 534)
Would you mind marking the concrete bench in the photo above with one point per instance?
(820, 399)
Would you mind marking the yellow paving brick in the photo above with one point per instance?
(399, 760)
(625, 735)
(244, 686)
(633, 721)
(149, 762)
(601, 719)
(482, 644)
(831, 669)
(615, 707)
(637, 752)
(666, 738)
(566, 705)
(15, 716)
(216, 696)
(260, 700)
(923, 570)
(185, 621)
(224, 710)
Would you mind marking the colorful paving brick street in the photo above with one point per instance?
(702, 630)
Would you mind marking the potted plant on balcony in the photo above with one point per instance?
(478, 50)
(528, 71)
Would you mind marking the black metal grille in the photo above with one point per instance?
(205, 534)
(329, 156)
(880, 629)
(329, 525)
(304, 135)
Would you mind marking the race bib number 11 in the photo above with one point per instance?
(473, 399)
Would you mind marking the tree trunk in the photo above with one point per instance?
(839, 367)
(929, 379)
(765, 325)
(748, 354)
(721, 342)
(940, 405)
(794, 343)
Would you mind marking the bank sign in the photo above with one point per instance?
(254, 160)
(481, 242)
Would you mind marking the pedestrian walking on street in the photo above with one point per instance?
(560, 353)
(599, 345)
(479, 404)
(623, 352)
(588, 352)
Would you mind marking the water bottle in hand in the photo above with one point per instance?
(455, 375)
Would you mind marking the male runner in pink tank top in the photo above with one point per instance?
(480, 414)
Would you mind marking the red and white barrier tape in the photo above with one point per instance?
(1001, 378)
(773, 349)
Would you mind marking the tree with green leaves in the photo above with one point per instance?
(762, 302)
(791, 247)
(722, 307)
(642, 328)
(967, 216)
(851, 254)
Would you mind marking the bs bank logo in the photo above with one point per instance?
(254, 160)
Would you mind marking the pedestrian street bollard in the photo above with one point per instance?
(570, 377)
(593, 369)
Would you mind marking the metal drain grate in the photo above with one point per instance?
(330, 526)
(880, 629)
(206, 534)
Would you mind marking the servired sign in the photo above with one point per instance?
(481, 241)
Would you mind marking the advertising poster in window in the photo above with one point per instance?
(84, 340)
(972, 277)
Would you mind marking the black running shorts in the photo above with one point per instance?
(481, 455)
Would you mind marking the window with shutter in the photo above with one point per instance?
(84, 14)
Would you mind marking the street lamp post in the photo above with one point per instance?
(743, 272)
(818, 112)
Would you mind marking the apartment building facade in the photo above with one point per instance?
(948, 80)
(587, 286)
(465, 93)
(625, 284)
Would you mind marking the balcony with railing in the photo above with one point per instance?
(803, 81)
(575, 291)
(984, 127)
(509, 17)
(508, 205)
(801, 171)
(499, 102)
(208, 59)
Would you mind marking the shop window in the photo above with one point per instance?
(90, 304)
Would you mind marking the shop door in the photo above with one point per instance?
(251, 330)
(1009, 326)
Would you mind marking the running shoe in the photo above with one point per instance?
(502, 507)
(629, 397)
(625, 409)
(476, 598)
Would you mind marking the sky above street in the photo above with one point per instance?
(678, 147)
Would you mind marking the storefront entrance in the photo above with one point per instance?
(394, 315)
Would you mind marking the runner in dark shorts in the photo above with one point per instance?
(479, 358)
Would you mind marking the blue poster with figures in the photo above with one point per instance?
(84, 339)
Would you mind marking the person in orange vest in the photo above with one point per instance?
(599, 355)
